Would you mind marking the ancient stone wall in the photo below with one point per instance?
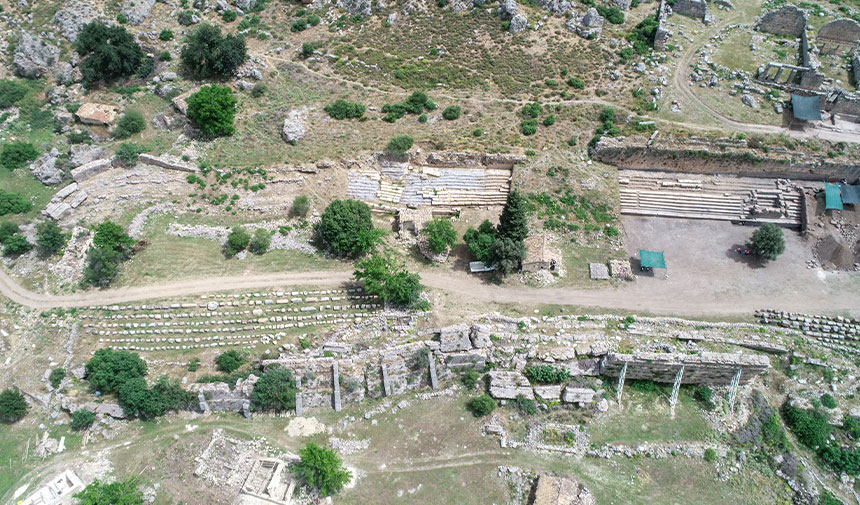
(788, 21)
(703, 368)
(838, 36)
(855, 68)
(697, 9)
(661, 36)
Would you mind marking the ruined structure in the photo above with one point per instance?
(787, 21)
(696, 9)
(838, 36)
(540, 254)
(57, 490)
(552, 490)
(218, 397)
(703, 368)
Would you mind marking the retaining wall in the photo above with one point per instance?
(704, 368)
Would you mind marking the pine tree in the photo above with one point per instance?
(513, 223)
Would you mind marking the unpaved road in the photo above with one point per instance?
(652, 297)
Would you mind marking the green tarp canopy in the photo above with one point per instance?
(850, 194)
(805, 107)
(651, 259)
(832, 197)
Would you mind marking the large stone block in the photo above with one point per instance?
(455, 338)
(508, 385)
(577, 395)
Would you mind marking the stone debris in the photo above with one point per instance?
(508, 385)
(137, 10)
(598, 271)
(45, 168)
(72, 16)
(552, 490)
(74, 257)
(589, 26)
(510, 10)
(54, 491)
(34, 56)
(293, 129)
(621, 269)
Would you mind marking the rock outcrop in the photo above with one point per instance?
(72, 16)
(137, 10)
(294, 127)
(45, 168)
(34, 56)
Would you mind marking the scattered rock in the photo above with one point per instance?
(45, 168)
(34, 56)
(137, 10)
(73, 16)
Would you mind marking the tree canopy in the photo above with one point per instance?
(275, 390)
(108, 52)
(212, 110)
(507, 255)
(440, 235)
(767, 241)
(108, 369)
(123, 492)
(12, 406)
(50, 239)
(513, 223)
(208, 54)
(113, 236)
(385, 278)
(346, 228)
(480, 241)
(321, 469)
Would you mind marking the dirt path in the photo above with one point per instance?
(641, 297)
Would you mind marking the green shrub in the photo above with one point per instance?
(228, 16)
(643, 34)
(229, 361)
(118, 493)
(643, 386)
(451, 113)
(525, 406)
(528, 127)
(481, 406)
(212, 110)
(13, 203)
(108, 52)
(313, 20)
(480, 241)
(341, 109)
(82, 419)
(207, 54)
(422, 118)
(260, 241)
(129, 152)
(80, 137)
(108, 369)
(828, 401)
(275, 390)
(308, 49)
(347, 229)
(320, 468)
(237, 241)
(258, 90)
(113, 236)
(399, 144)
(164, 56)
(710, 455)
(11, 91)
(56, 377)
(531, 110)
(826, 498)
(612, 14)
(477, 132)
(576, 83)
(194, 365)
(13, 406)
(102, 266)
(16, 245)
(549, 120)
(440, 235)
(185, 18)
(388, 280)
(547, 374)
(705, 396)
(130, 123)
(139, 400)
(809, 426)
(469, 379)
(147, 65)
(299, 25)
(7, 229)
(165, 35)
(17, 154)
(301, 206)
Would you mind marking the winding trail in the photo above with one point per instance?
(653, 297)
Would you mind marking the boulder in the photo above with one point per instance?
(359, 8)
(246, 5)
(749, 101)
(34, 56)
(72, 16)
(455, 338)
(577, 395)
(137, 10)
(587, 366)
(81, 154)
(45, 168)
(65, 73)
(97, 114)
(519, 23)
(480, 336)
(294, 127)
(589, 26)
(548, 393)
(510, 10)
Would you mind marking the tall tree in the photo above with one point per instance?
(768, 242)
(108, 52)
(513, 223)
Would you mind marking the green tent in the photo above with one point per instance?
(651, 259)
(832, 197)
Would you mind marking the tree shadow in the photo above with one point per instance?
(751, 260)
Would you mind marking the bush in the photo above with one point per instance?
(228, 16)
(643, 34)
(229, 361)
(549, 120)
(212, 110)
(705, 396)
(7, 229)
(108, 52)
(828, 401)
(612, 14)
(17, 154)
(451, 113)
(547, 374)
(525, 406)
(828, 499)
(108, 369)
(165, 35)
(119, 493)
(809, 426)
(422, 118)
(313, 20)
(258, 90)
(185, 18)
(147, 403)
(102, 266)
(346, 228)
(481, 406)
(480, 242)
(208, 54)
(477, 132)
(710, 455)
(113, 236)
(11, 91)
(164, 56)
(299, 25)
(399, 144)
(130, 123)
(767, 241)
(80, 137)
(341, 109)
(469, 379)
(82, 419)
(260, 241)
(275, 391)
(13, 406)
(383, 277)
(576, 83)
(16, 245)
(13, 203)
(528, 127)
(147, 65)
(308, 49)
(320, 468)
(56, 377)
(301, 206)
(128, 152)
(237, 241)
(531, 110)
(440, 235)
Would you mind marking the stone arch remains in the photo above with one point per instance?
(788, 21)
(838, 36)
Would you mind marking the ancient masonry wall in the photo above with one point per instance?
(661, 36)
(788, 21)
(697, 9)
(704, 368)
